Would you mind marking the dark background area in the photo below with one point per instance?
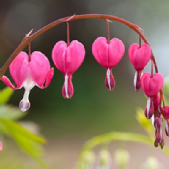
(93, 110)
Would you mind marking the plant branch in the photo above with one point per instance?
(28, 39)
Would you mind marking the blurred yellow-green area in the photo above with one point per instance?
(93, 110)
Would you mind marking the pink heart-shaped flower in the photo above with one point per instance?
(139, 56)
(68, 58)
(108, 54)
(151, 85)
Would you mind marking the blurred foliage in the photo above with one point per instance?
(26, 140)
(5, 95)
(146, 124)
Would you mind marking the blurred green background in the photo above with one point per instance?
(93, 110)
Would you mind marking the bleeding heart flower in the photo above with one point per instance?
(68, 59)
(108, 55)
(28, 72)
(139, 57)
(151, 85)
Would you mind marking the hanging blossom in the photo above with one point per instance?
(108, 54)
(151, 85)
(29, 71)
(68, 58)
(139, 56)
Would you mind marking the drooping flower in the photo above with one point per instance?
(139, 57)
(68, 59)
(108, 54)
(151, 86)
(28, 71)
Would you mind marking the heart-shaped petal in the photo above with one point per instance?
(139, 56)
(151, 85)
(68, 59)
(108, 54)
(39, 67)
(19, 68)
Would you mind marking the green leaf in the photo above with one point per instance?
(28, 142)
(145, 123)
(5, 95)
(11, 113)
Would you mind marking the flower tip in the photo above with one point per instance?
(67, 89)
(24, 106)
(109, 80)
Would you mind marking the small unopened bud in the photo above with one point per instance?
(121, 157)
(109, 80)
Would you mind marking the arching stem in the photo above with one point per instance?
(108, 32)
(28, 39)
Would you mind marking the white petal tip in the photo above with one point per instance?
(24, 106)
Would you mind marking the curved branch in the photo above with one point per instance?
(27, 40)
(114, 136)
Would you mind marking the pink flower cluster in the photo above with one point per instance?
(34, 70)
(151, 84)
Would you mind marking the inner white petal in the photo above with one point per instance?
(152, 120)
(148, 106)
(66, 86)
(135, 79)
(28, 83)
(24, 103)
(108, 78)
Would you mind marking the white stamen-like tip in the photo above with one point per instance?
(152, 120)
(66, 86)
(135, 79)
(148, 107)
(108, 78)
(24, 103)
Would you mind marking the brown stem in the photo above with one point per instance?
(68, 35)
(29, 50)
(151, 68)
(108, 34)
(139, 41)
